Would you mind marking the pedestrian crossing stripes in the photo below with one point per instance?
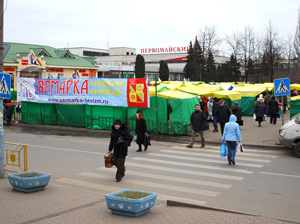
(186, 172)
(170, 178)
(208, 149)
(109, 189)
(192, 176)
(200, 159)
(192, 165)
(156, 185)
(212, 156)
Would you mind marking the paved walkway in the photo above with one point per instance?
(61, 204)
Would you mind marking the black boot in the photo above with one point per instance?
(216, 129)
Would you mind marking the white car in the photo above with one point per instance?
(289, 135)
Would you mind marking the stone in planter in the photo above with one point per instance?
(130, 207)
(29, 184)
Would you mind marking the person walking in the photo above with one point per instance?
(120, 140)
(9, 106)
(210, 104)
(140, 130)
(222, 114)
(259, 110)
(237, 111)
(198, 120)
(273, 110)
(231, 135)
(214, 110)
(267, 99)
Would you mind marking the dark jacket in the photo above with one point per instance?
(214, 109)
(274, 108)
(9, 109)
(237, 111)
(198, 120)
(140, 130)
(223, 114)
(259, 109)
(120, 151)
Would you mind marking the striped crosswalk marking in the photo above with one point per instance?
(199, 153)
(187, 172)
(202, 160)
(191, 165)
(156, 185)
(218, 152)
(170, 178)
(109, 189)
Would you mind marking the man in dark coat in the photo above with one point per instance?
(9, 106)
(214, 109)
(237, 111)
(198, 120)
(120, 139)
(266, 101)
(273, 110)
(222, 114)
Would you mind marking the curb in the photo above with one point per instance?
(75, 131)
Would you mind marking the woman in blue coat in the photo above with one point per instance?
(231, 134)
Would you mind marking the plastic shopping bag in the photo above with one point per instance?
(223, 151)
(134, 138)
(239, 148)
(254, 116)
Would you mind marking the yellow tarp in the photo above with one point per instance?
(175, 95)
(295, 86)
(295, 98)
(200, 90)
(228, 93)
(253, 91)
(159, 89)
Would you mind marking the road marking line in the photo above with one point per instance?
(188, 172)
(156, 185)
(199, 153)
(200, 159)
(171, 178)
(232, 169)
(250, 149)
(70, 150)
(109, 189)
(280, 174)
(216, 152)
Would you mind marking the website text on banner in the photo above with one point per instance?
(103, 92)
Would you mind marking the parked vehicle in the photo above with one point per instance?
(289, 135)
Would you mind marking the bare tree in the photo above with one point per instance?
(209, 39)
(246, 43)
(272, 48)
(233, 42)
(257, 58)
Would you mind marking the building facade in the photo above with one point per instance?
(44, 62)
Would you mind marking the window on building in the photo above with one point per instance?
(127, 53)
(43, 53)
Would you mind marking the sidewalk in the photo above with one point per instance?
(62, 204)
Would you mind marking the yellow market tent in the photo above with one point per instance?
(295, 86)
(174, 95)
(232, 95)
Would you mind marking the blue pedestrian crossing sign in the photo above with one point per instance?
(281, 87)
(4, 85)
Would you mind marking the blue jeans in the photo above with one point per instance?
(231, 145)
(215, 122)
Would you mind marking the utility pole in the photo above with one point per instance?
(2, 149)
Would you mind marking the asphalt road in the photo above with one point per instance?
(263, 182)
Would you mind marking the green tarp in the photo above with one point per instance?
(102, 117)
(294, 107)
(247, 104)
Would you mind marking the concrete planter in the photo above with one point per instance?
(29, 184)
(130, 207)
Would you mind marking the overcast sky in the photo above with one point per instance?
(139, 24)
